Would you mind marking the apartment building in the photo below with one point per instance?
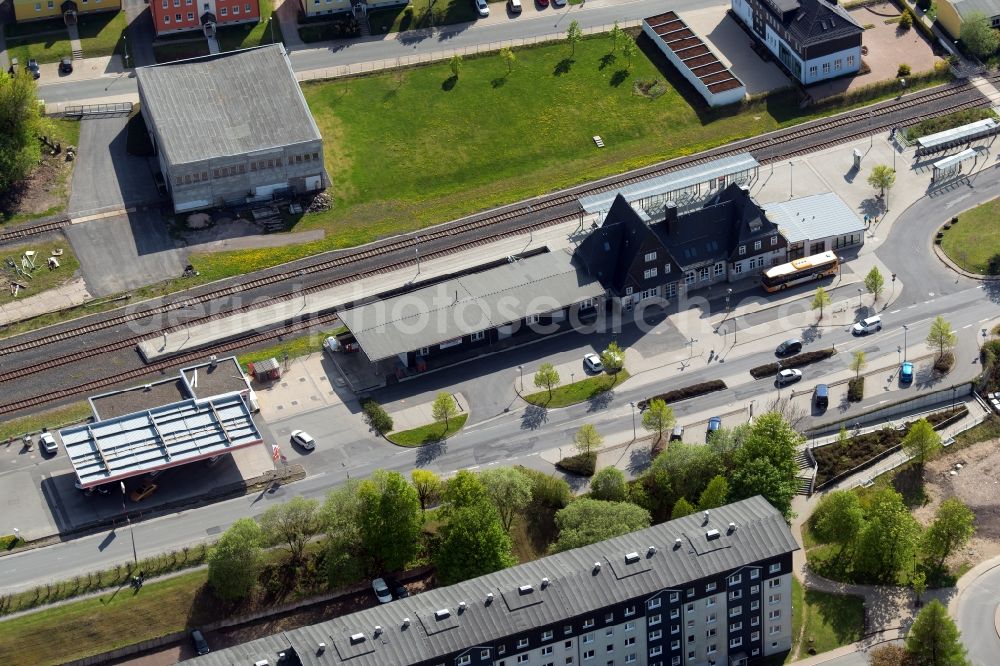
(69, 10)
(170, 16)
(713, 588)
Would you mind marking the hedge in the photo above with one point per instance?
(856, 389)
(796, 361)
(376, 416)
(583, 464)
(692, 391)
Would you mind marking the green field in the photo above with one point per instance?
(428, 434)
(831, 620)
(252, 34)
(571, 394)
(100, 35)
(974, 243)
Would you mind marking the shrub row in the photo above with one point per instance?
(692, 391)
(856, 389)
(583, 464)
(796, 361)
(376, 417)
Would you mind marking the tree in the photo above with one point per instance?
(888, 539)
(941, 336)
(952, 528)
(882, 178)
(681, 508)
(875, 283)
(629, 48)
(724, 443)
(574, 34)
(587, 439)
(820, 301)
(294, 522)
(547, 377)
(22, 124)
(838, 519)
(919, 584)
(905, 20)
(474, 543)
(389, 519)
(510, 491)
(508, 57)
(765, 463)
(378, 419)
(463, 489)
(236, 559)
(922, 442)
(616, 36)
(444, 408)
(345, 560)
(934, 640)
(686, 470)
(715, 494)
(978, 36)
(428, 486)
(608, 485)
(613, 358)
(586, 521)
(858, 363)
(658, 417)
(456, 65)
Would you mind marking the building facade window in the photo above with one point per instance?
(756, 245)
(653, 603)
(704, 273)
(689, 278)
(649, 273)
(650, 256)
(719, 270)
(774, 568)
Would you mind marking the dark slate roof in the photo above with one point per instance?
(609, 251)
(814, 21)
(226, 104)
(575, 590)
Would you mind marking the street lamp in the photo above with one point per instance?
(859, 296)
(729, 292)
(131, 530)
(905, 329)
(520, 371)
(632, 404)
(953, 390)
(899, 355)
(791, 189)
(983, 342)
(893, 286)
(125, 47)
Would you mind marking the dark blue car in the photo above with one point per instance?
(906, 373)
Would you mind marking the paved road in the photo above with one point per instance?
(977, 609)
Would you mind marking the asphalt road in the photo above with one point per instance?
(977, 609)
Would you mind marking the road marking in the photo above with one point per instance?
(473, 467)
(984, 319)
(912, 306)
(967, 326)
(893, 311)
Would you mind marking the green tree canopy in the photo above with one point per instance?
(294, 523)
(616, 34)
(629, 48)
(613, 358)
(508, 57)
(345, 559)
(455, 64)
(428, 486)
(510, 491)
(941, 337)
(820, 300)
(858, 363)
(547, 377)
(587, 439)
(236, 559)
(716, 493)
(474, 543)
(952, 528)
(838, 518)
(444, 408)
(882, 178)
(922, 442)
(658, 417)
(22, 124)
(608, 485)
(875, 282)
(888, 539)
(574, 34)
(681, 508)
(764, 464)
(463, 489)
(586, 521)
(390, 519)
(687, 469)
(978, 36)
(934, 640)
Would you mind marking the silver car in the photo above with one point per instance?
(788, 376)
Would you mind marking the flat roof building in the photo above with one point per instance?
(816, 224)
(231, 128)
(710, 588)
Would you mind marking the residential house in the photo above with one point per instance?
(171, 16)
(35, 10)
(951, 14)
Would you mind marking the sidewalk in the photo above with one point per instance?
(407, 417)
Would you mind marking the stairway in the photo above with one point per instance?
(361, 16)
(804, 485)
(801, 460)
(77, 54)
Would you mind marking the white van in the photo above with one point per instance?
(866, 326)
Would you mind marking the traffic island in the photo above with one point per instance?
(581, 391)
(431, 433)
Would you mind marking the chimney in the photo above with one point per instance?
(670, 216)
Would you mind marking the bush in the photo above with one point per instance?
(692, 391)
(376, 417)
(10, 542)
(903, 70)
(547, 491)
(856, 389)
(796, 361)
(944, 363)
(906, 20)
(583, 464)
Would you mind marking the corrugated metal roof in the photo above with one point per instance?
(989, 8)
(957, 158)
(159, 438)
(672, 182)
(226, 104)
(814, 217)
(963, 133)
(468, 304)
(575, 590)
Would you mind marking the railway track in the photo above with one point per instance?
(552, 210)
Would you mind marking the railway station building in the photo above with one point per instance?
(231, 129)
(815, 224)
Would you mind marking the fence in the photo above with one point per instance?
(86, 110)
(357, 69)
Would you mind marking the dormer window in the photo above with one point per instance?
(650, 256)
(743, 250)
(774, 240)
(756, 245)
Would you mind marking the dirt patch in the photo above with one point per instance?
(44, 191)
(977, 484)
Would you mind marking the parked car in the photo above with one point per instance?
(483, 8)
(48, 443)
(200, 644)
(104, 489)
(542, 3)
(714, 424)
(906, 373)
(32, 67)
(788, 376)
(65, 66)
(143, 491)
(866, 326)
(514, 6)
(398, 589)
(821, 396)
(789, 347)
(381, 591)
(592, 362)
(677, 434)
(303, 439)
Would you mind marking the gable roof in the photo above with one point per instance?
(226, 104)
(988, 8)
(438, 626)
(813, 21)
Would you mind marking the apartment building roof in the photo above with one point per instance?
(548, 591)
(226, 104)
(814, 21)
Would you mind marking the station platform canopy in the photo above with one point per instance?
(953, 161)
(957, 135)
(155, 439)
(713, 175)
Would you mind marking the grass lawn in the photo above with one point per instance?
(300, 346)
(48, 186)
(947, 121)
(988, 429)
(798, 612)
(100, 35)
(533, 533)
(50, 418)
(43, 48)
(252, 34)
(42, 278)
(428, 434)
(167, 52)
(831, 620)
(416, 15)
(73, 631)
(570, 394)
(974, 243)
(824, 560)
